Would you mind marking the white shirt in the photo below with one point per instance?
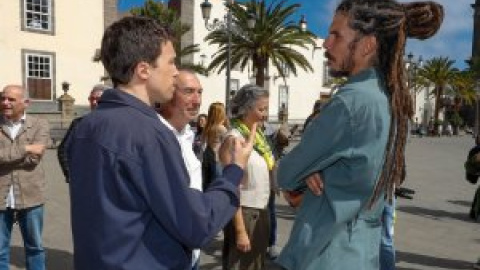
(185, 138)
(13, 129)
(255, 184)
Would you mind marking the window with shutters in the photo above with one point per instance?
(39, 75)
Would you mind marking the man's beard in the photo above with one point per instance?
(347, 63)
(338, 73)
(346, 67)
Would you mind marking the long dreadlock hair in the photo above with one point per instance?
(391, 23)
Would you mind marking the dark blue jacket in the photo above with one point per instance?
(132, 207)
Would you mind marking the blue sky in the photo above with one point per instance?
(454, 40)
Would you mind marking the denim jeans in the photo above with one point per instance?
(387, 248)
(273, 220)
(30, 222)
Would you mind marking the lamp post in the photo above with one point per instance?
(303, 23)
(227, 26)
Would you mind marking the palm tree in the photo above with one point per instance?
(170, 20)
(274, 39)
(439, 71)
(462, 87)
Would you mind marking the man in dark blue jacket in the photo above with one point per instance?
(132, 207)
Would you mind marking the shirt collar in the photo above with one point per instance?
(20, 121)
(182, 132)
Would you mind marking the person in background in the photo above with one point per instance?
(317, 107)
(93, 99)
(246, 236)
(472, 172)
(24, 139)
(352, 155)
(176, 114)
(213, 134)
(198, 145)
(132, 206)
(278, 140)
(95, 95)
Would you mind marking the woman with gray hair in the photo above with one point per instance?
(247, 234)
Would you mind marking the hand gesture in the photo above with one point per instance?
(237, 150)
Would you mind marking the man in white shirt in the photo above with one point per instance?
(176, 115)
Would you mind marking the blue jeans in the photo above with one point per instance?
(387, 248)
(273, 220)
(31, 225)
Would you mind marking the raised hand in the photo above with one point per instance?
(237, 150)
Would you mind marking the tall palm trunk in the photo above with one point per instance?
(260, 64)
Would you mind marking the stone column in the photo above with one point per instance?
(65, 103)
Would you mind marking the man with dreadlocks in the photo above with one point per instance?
(352, 155)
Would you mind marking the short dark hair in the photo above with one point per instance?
(128, 42)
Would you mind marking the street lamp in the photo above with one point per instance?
(303, 23)
(227, 26)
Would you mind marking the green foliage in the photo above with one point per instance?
(463, 86)
(456, 120)
(438, 71)
(274, 38)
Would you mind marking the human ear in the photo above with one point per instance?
(142, 70)
(370, 45)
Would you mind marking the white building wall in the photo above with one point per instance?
(424, 106)
(78, 29)
(304, 90)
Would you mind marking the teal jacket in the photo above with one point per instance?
(346, 143)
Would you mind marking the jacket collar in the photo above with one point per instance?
(116, 97)
(364, 79)
(27, 123)
(367, 74)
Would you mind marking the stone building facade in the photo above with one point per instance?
(46, 43)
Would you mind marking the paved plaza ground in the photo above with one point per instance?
(432, 230)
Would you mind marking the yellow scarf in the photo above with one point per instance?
(260, 144)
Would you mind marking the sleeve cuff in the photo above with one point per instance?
(233, 173)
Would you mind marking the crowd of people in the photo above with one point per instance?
(158, 191)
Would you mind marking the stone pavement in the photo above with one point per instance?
(432, 230)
